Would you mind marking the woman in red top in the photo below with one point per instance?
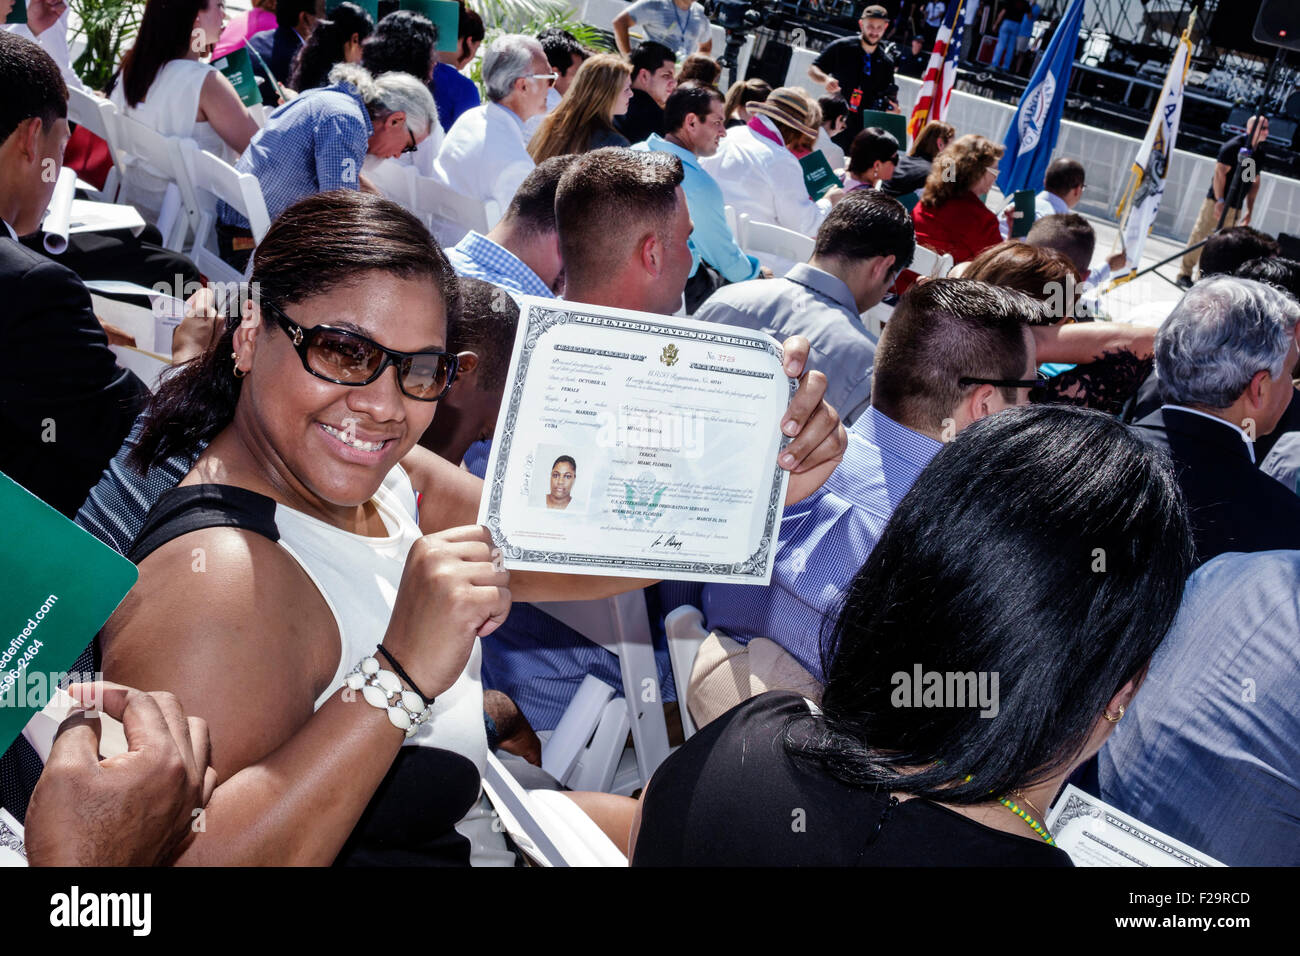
(950, 216)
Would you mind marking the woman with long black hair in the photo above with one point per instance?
(986, 649)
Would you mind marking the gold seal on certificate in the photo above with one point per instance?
(638, 445)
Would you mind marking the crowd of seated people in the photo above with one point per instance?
(331, 499)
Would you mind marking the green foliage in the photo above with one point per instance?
(532, 17)
(107, 26)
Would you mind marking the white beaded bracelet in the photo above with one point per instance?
(383, 689)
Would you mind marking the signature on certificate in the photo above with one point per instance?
(671, 542)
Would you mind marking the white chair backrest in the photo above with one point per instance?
(621, 625)
(927, 262)
(99, 117)
(686, 632)
(430, 198)
(395, 180)
(241, 191)
(768, 239)
(733, 223)
(164, 155)
(797, 74)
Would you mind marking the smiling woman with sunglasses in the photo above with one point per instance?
(315, 587)
(294, 554)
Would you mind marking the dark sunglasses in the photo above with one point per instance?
(1040, 381)
(410, 147)
(346, 358)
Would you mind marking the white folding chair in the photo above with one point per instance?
(547, 826)
(733, 223)
(139, 145)
(797, 74)
(927, 262)
(395, 180)
(98, 116)
(686, 632)
(775, 246)
(446, 211)
(621, 625)
(214, 179)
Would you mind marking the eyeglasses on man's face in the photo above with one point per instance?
(550, 78)
(348, 358)
(411, 146)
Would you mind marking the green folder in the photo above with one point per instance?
(893, 123)
(445, 15)
(370, 6)
(238, 68)
(818, 177)
(19, 13)
(1024, 203)
(58, 585)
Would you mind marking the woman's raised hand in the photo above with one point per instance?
(453, 590)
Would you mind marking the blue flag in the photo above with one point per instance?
(1033, 131)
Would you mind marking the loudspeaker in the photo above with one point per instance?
(1278, 24)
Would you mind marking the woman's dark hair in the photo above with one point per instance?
(324, 48)
(403, 42)
(1045, 544)
(318, 244)
(871, 145)
(1278, 271)
(165, 35)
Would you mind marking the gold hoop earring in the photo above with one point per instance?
(1116, 718)
(239, 372)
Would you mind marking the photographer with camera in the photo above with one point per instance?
(860, 69)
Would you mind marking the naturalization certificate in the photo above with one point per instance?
(638, 445)
(1094, 833)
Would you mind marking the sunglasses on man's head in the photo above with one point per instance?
(348, 358)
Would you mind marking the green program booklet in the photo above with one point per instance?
(370, 6)
(818, 177)
(238, 68)
(445, 15)
(58, 585)
(895, 124)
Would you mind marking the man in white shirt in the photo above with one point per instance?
(566, 55)
(47, 24)
(485, 155)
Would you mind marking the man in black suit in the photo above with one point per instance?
(65, 404)
(1226, 356)
(295, 20)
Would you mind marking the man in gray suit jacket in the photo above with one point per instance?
(1209, 752)
(862, 245)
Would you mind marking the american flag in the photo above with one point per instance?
(940, 73)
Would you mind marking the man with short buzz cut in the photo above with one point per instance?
(861, 247)
(696, 124)
(954, 351)
(485, 155)
(625, 230)
(1073, 236)
(522, 251)
(654, 77)
(1225, 358)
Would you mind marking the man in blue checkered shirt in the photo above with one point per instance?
(520, 253)
(318, 140)
(953, 352)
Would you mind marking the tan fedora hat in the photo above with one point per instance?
(791, 106)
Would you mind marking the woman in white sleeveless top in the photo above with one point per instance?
(165, 85)
(305, 545)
